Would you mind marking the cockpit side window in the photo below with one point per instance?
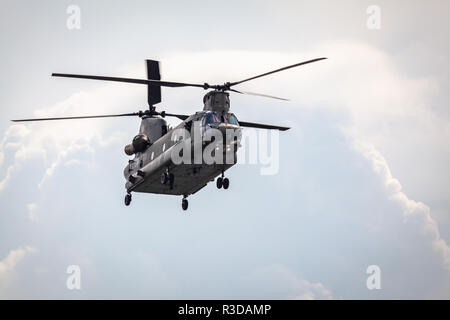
(232, 119)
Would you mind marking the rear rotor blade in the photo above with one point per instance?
(258, 94)
(278, 70)
(80, 117)
(153, 92)
(262, 126)
(131, 80)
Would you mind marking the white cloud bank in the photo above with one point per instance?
(279, 282)
(55, 142)
(384, 108)
(8, 268)
(414, 213)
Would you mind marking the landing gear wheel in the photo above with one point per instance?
(184, 204)
(219, 183)
(226, 183)
(164, 178)
(127, 199)
(171, 180)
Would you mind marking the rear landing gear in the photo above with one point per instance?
(164, 177)
(171, 180)
(168, 178)
(128, 199)
(222, 182)
(184, 203)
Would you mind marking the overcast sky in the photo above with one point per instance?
(364, 172)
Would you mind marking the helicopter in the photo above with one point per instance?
(156, 149)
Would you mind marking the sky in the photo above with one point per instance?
(364, 172)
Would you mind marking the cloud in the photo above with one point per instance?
(13, 258)
(32, 215)
(56, 142)
(6, 179)
(386, 110)
(8, 268)
(415, 213)
(279, 282)
(380, 110)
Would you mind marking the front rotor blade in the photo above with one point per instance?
(262, 126)
(80, 117)
(158, 83)
(179, 116)
(258, 94)
(278, 70)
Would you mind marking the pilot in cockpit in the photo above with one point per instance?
(212, 117)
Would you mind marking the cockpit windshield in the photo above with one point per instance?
(211, 117)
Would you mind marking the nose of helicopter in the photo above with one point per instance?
(223, 126)
(231, 133)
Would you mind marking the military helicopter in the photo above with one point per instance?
(153, 169)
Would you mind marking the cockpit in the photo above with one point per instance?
(212, 117)
(226, 123)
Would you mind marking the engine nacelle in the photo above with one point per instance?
(129, 150)
(140, 144)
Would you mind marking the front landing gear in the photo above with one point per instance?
(128, 199)
(226, 183)
(184, 203)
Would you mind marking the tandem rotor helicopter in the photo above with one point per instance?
(152, 170)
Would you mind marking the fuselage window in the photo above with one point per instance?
(153, 154)
(164, 147)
